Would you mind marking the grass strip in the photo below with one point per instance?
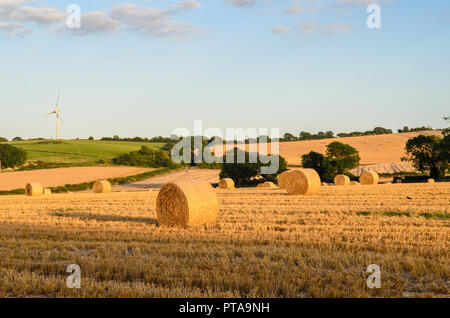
(432, 215)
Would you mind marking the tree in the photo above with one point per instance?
(342, 157)
(3, 139)
(289, 137)
(17, 139)
(11, 156)
(320, 163)
(91, 138)
(304, 135)
(116, 137)
(428, 154)
(244, 174)
(381, 131)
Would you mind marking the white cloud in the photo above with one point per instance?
(149, 20)
(187, 5)
(96, 22)
(38, 15)
(281, 29)
(9, 7)
(296, 8)
(242, 3)
(13, 29)
(308, 27)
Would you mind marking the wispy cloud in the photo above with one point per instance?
(13, 29)
(149, 20)
(95, 22)
(187, 5)
(308, 27)
(296, 8)
(281, 29)
(241, 3)
(15, 14)
(38, 15)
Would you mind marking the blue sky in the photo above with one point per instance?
(144, 68)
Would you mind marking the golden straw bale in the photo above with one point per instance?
(304, 181)
(187, 203)
(47, 191)
(355, 183)
(368, 178)
(324, 184)
(102, 186)
(341, 180)
(34, 189)
(226, 183)
(282, 179)
(430, 181)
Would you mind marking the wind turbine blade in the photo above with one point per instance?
(57, 101)
(49, 114)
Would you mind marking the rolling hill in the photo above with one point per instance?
(78, 151)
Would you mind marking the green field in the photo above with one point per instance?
(80, 152)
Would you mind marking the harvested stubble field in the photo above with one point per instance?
(266, 244)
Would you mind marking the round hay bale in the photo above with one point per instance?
(324, 184)
(355, 183)
(341, 180)
(184, 204)
(269, 184)
(226, 183)
(102, 186)
(431, 181)
(34, 189)
(282, 179)
(368, 178)
(303, 182)
(47, 191)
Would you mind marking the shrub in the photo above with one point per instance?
(91, 138)
(11, 156)
(17, 139)
(145, 157)
(3, 139)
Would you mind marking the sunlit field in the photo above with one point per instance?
(265, 244)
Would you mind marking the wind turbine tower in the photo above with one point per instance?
(58, 116)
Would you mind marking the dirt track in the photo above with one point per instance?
(207, 175)
(63, 176)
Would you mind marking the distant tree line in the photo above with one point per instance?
(158, 139)
(304, 135)
(407, 129)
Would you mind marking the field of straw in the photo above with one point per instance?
(265, 244)
(385, 151)
(63, 176)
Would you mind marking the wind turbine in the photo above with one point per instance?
(58, 116)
